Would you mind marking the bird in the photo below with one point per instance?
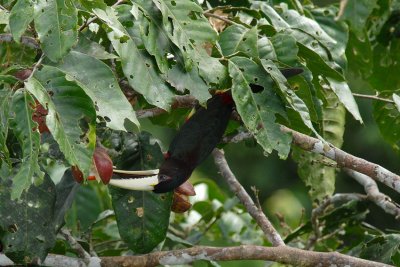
(192, 144)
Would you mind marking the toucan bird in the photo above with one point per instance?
(195, 140)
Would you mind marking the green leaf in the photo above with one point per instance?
(138, 67)
(8, 79)
(275, 19)
(345, 96)
(93, 49)
(382, 249)
(237, 38)
(5, 99)
(356, 12)
(387, 117)
(56, 25)
(309, 26)
(99, 83)
(186, 26)
(285, 48)
(257, 110)
(28, 227)
(142, 217)
(28, 136)
(65, 194)
(68, 108)
(20, 17)
(266, 49)
(288, 95)
(190, 31)
(312, 169)
(4, 17)
(182, 80)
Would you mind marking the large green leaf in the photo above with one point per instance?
(137, 65)
(99, 83)
(258, 110)
(237, 38)
(142, 217)
(66, 190)
(56, 24)
(20, 17)
(356, 12)
(387, 117)
(319, 177)
(290, 97)
(28, 136)
(384, 248)
(93, 49)
(68, 108)
(187, 28)
(27, 224)
(285, 48)
(5, 99)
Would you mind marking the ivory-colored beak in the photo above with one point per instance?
(135, 180)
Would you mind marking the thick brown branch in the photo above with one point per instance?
(373, 193)
(258, 215)
(282, 254)
(344, 159)
(25, 40)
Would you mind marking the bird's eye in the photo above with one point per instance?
(164, 178)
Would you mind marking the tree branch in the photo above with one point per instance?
(265, 225)
(344, 159)
(282, 254)
(75, 245)
(374, 195)
(25, 40)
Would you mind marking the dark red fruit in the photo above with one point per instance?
(78, 175)
(103, 164)
(39, 116)
(180, 203)
(102, 168)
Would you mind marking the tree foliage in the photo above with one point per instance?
(73, 73)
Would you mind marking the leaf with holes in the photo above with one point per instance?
(237, 38)
(27, 224)
(142, 217)
(290, 97)
(387, 116)
(71, 115)
(56, 25)
(258, 110)
(99, 83)
(285, 48)
(137, 65)
(28, 137)
(20, 17)
(313, 168)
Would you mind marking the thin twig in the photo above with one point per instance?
(374, 195)
(36, 66)
(265, 225)
(75, 245)
(320, 210)
(374, 97)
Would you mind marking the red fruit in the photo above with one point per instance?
(39, 116)
(186, 189)
(78, 175)
(102, 167)
(103, 164)
(180, 203)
